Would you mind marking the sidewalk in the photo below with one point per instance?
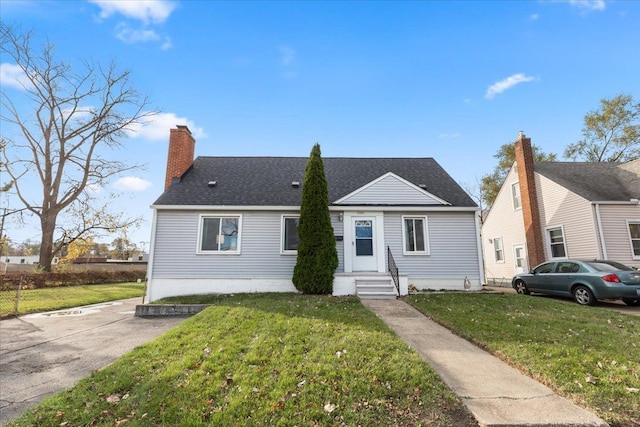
(494, 392)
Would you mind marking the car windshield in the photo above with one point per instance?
(609, 266)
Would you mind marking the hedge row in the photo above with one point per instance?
(51, 280)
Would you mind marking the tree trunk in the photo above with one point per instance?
(46, 245)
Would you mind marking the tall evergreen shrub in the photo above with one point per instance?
(317, 254)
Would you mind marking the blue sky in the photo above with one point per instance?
(448, 80)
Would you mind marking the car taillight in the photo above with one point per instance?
(611, 278)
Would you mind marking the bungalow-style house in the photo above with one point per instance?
(558, 210)
(228, 225)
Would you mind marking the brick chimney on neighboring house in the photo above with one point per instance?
(529, 200)
(181, 151)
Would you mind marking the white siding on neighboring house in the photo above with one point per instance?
(453, 249)
(560, 207)
(613, 220)
(503, 221)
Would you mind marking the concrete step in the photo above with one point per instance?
(150, 310)
(376, 289)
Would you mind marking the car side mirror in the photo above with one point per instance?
(532, 272)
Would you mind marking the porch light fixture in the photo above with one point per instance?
(340, 217)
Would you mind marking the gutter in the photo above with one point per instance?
(332, 208)
(603, 245)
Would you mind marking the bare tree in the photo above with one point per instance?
(66, 122)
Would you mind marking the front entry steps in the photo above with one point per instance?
(370, 288)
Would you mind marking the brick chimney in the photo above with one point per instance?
(181, 151)
(529, 199)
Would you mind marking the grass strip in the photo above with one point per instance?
(48, 299)
(588, 354)
(264, 359)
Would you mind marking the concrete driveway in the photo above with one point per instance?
(42, 354)
(615, 305)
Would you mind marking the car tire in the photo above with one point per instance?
(633, 302)
(521, 287)
(583, 295)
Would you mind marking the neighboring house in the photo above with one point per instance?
(25, 259)
(228, 224)
(557, 210)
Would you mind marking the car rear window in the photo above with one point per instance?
(609, 266)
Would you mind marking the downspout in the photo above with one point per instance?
(603, 246)
(152, 247)
(479, 246)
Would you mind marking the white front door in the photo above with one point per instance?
(520, 259)
(364, 246)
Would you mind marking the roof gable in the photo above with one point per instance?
(267, 181)
(594, 181)
(390, 189)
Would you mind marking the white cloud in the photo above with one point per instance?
(131, 183)
(131, 35)
(146, 11)
(287, 55)
(509, 82)
(158, 126)
(588, 4)
(534, 17)
(449, 135)
(167, 43)
(11, 75)
(94, 188)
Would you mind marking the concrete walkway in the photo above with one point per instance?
(494, 392)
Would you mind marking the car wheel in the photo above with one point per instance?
(521, 287)
(633, 302)
(583, 295)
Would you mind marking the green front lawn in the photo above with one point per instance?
(48, 299)
(587, 354)
(264, 360)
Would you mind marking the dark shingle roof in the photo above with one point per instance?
(595, 181)
(266, 181)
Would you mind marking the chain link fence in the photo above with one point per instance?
(10, 296)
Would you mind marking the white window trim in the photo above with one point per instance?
(493, 246)
(284, 251)
(564, 242)
(425, 228)
(629, 222)
(201, 218)
(515, 258)
(513, 199)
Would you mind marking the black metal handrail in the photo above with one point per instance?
(393, 269)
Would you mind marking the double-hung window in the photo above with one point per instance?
(634, 237)
(290, 234)
(219, 234)
(498, 250)
(515, 196)
(556, 240)
(416, 239)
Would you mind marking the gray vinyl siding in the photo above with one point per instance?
(452, 243)
(338, 230)
(177, 238)
(390, 191)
